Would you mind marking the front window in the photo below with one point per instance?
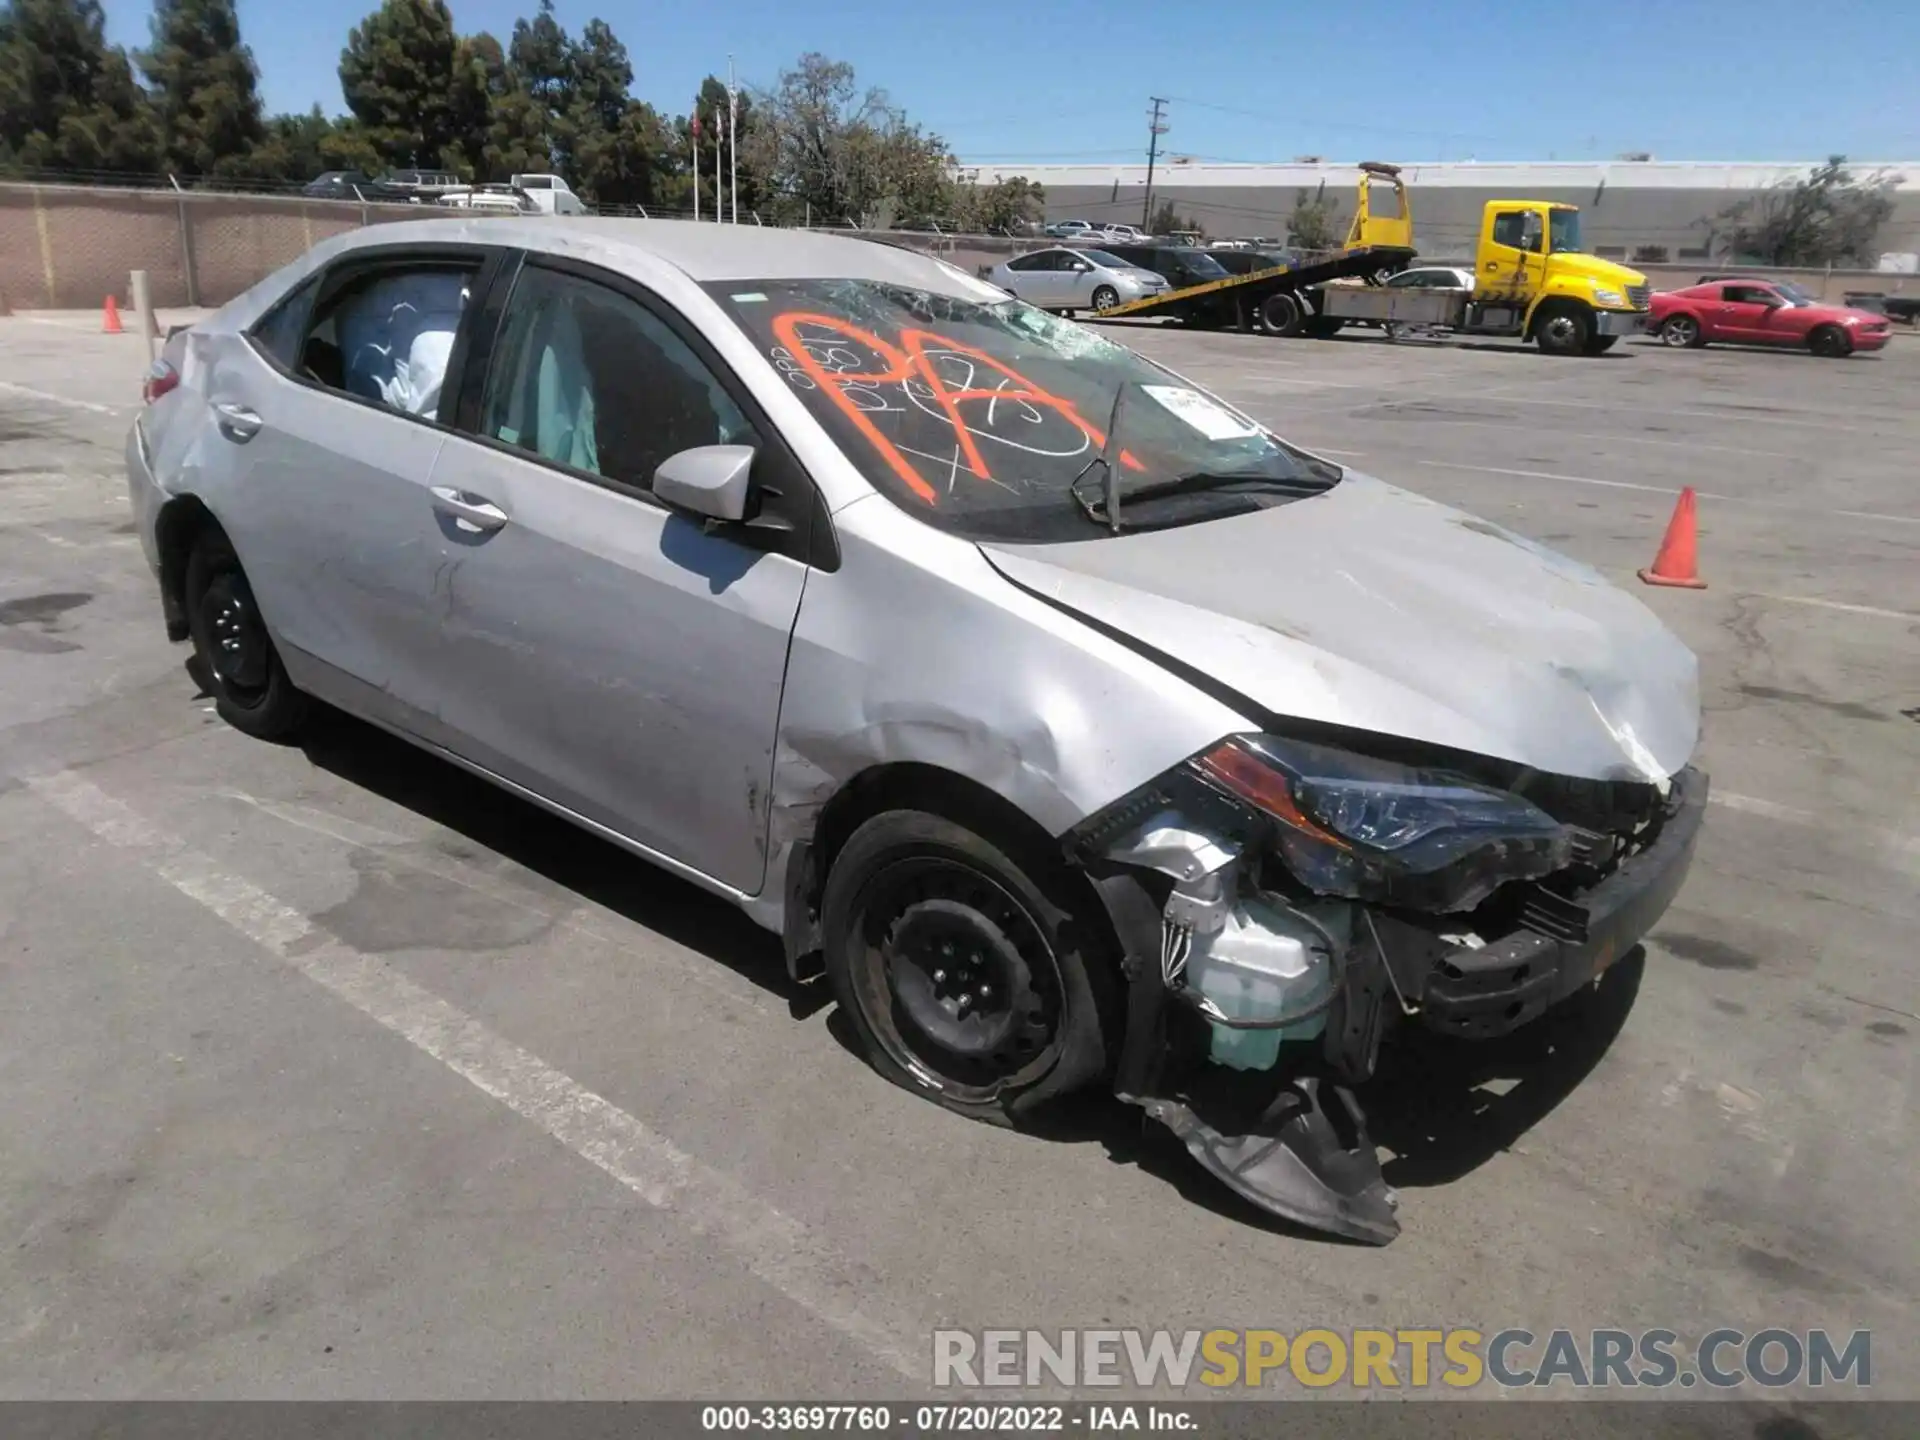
(1794, 294)
(1101, 257)
(1564, 231)
(991, 419)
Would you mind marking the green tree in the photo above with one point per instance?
(68, 100)
(1832, 217)
(398, 75)
(204, 87)
(298, 147)
(830, 151)
(1010, 203)
(1313, 225)
(1166, 221)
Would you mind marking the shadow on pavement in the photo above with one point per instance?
(556, 850)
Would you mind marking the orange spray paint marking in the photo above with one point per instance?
(787, 327)
(912, 362)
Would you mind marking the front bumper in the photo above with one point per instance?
(1298, 1146)
(1621, 322)
(1480, 993)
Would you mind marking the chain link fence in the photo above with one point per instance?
(69, 246)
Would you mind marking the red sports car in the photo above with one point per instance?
(1763, 312)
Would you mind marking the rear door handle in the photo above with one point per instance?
(237, 422)
(474, 511)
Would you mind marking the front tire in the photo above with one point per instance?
(1105, 298)
(1830, 342)
(1563, 330)
(964, 974)
(235, 656)
(1600, 344)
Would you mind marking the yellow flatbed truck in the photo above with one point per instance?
(1532, 281)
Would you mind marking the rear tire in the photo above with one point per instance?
(1681, 332)
(965, 976)
(1830, 342)
(235, 655)
(1563, 329)
(1105, 298)
(1282, 314)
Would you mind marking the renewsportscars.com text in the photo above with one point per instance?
(1372, 1359)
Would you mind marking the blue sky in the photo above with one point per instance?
(1254, 79)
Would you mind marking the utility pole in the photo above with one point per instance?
(1156, 127)
(733, 141)
(696, 159)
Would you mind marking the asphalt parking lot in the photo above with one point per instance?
(330, 1072)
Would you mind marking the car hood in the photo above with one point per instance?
(1375, 609)
(1141, 273)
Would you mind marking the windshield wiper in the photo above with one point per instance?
(1197, 481)
(1110, 473)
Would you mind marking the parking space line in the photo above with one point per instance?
(772, 1246)
(1670, 490)
(1773, 810)
(1847, 606)
(67, 400)
(1740, 417)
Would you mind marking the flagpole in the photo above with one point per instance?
(696, 160)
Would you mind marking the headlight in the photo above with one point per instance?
(1608, 297)
(1374, 830)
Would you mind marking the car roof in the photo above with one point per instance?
(703, 252)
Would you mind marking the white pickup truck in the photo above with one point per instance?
(550, 194)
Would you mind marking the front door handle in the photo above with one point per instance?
(475, 512)
(237, 422)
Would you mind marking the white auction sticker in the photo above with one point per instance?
(1209, 417)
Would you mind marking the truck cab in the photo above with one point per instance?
(1535, 278)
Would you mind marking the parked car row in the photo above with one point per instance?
(1069, 278)
(530, 194)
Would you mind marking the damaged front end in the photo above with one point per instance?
(1283, 903)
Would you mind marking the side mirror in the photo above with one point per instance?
(708, 481)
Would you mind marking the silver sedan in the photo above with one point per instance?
(1070, 279)
(1077, 728)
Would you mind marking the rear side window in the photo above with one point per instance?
(380, 332)
(278, 333)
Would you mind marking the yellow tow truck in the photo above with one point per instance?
(1532, 279)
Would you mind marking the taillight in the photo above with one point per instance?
(161, 377)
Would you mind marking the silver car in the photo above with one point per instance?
(1078, 729)
(1069, 279)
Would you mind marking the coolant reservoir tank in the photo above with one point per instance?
(1265, 963)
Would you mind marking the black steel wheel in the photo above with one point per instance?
(235, 656)
(964, 979)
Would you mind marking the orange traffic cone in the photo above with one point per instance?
(1676, 563)
(110, 320)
